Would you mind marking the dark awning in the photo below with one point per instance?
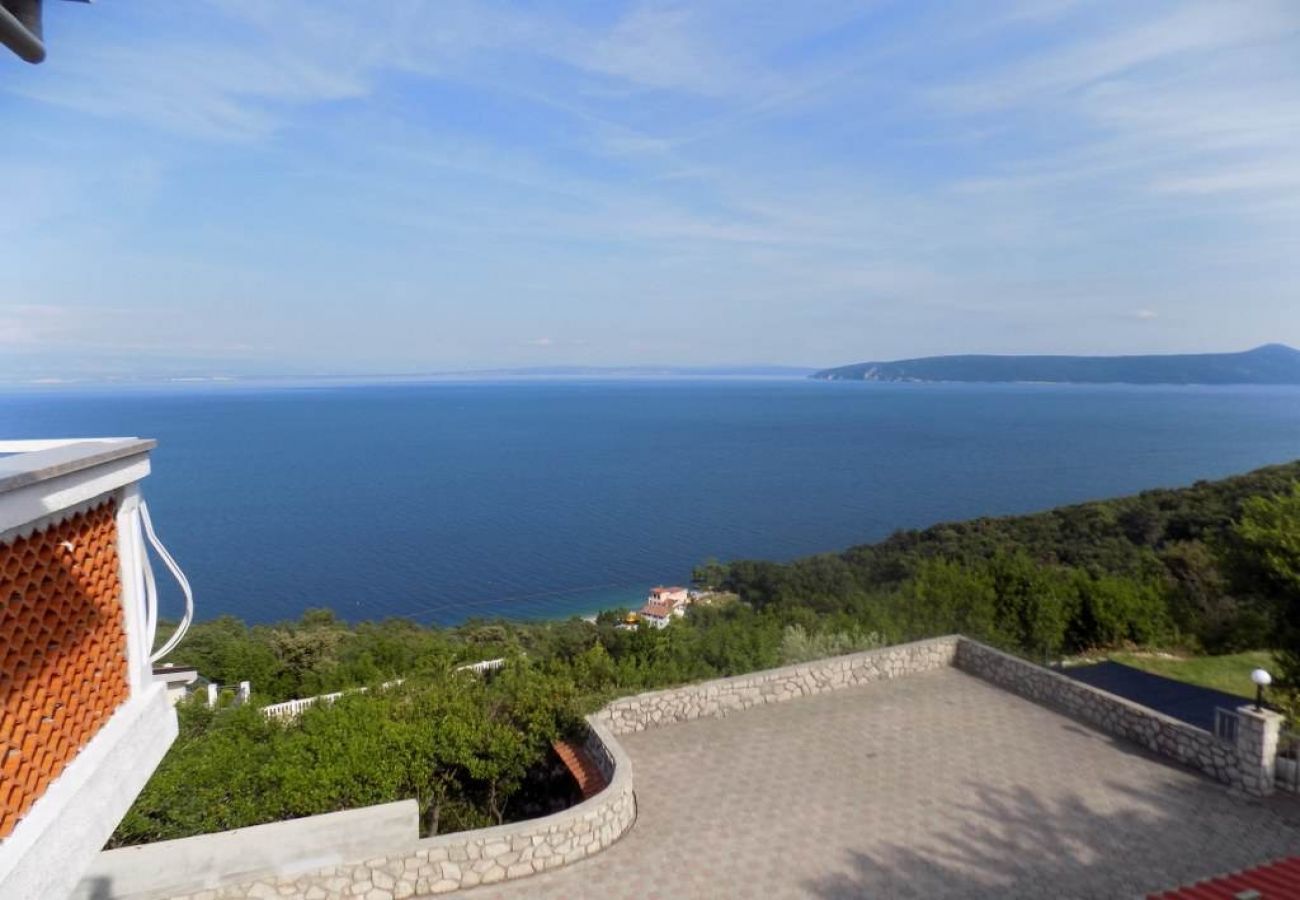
(20, 28)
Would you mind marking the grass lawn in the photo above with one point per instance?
(1230, 673)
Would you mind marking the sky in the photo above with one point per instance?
(241, 187)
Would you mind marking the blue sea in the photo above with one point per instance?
(450, 500)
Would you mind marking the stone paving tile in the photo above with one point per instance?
(933, 786)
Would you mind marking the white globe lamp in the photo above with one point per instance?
(1262, 680)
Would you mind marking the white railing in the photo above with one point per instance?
(1226, 722)
(486, 665)
(290, 709)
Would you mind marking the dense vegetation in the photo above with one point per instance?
(461, 745)
(1210, 568)
(1201, 567)
(466, 747)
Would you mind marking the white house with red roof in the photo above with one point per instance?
(674, 596)
(663, 604)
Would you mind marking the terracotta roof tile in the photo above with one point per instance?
(1279, 880)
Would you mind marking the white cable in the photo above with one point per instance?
(152, 588)
(148, 585)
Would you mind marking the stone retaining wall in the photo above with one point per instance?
(1107, 712)
(184, 865)
(449, 862)
(717, 698)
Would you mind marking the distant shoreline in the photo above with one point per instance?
(1269, 364)
(235, 386)
(492, 376)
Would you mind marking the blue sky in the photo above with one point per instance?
(338, 187)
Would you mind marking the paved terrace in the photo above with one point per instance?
(934, 785)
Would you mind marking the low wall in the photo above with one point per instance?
(1107, 712)
(717, 698)
(169, 868)
(284, 859)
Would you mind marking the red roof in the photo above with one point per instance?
(657, 610)
(1278, 880)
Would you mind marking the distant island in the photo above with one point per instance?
(636, 371)
(1268, 364)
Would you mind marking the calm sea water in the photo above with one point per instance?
(451, 500)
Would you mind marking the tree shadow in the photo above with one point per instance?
(1012, 842)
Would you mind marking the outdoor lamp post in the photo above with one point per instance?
(1262, 680)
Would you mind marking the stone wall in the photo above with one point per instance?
(1257, 739)
(718, 698)
(411, 866)
(182, 866)
(1123, 718)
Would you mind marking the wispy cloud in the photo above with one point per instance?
(197, 87)
(661, 47)
(389, 183)
(1122, 47)
(28, 324)
(1259, 175)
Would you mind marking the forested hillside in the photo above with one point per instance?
(1267, 364)
(1161, 566)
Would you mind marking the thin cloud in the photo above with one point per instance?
(389, 184)
(1189, 29)
(1267, 175)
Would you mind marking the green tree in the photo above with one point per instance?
(1033, 604)
(709, 575)
(946, 596)
(1267, 558)
(1109, 611)
(459, 744)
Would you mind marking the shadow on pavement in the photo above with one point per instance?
(1012, 843)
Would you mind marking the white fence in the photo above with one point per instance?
(486, 665)
(290, 709)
